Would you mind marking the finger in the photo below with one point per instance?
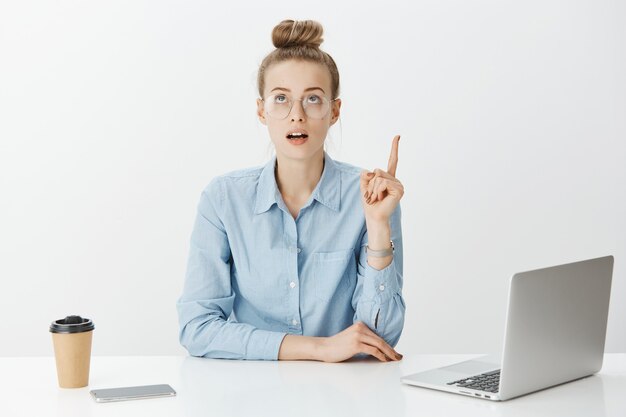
(384, 174)
(379, 190)
(371, 350)
(370, 189)
(382, 188)
(369, 332)
(374, 182)
(366, 176)
(381, 345)
(393, 157)
(389, 188)
(374, 339)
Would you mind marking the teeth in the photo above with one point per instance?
(296, 135)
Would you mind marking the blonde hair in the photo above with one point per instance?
(299, 40)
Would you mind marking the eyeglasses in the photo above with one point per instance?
(278, 106)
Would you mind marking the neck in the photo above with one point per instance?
(296, 179)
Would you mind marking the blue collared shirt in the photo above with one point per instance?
(255, 274)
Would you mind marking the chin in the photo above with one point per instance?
(301, 152)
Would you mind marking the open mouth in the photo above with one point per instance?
(297, 136)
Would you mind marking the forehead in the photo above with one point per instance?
(297, 76)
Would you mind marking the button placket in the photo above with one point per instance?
(294, 274)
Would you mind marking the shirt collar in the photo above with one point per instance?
(327, 191)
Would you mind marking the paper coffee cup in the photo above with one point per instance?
(71, 337)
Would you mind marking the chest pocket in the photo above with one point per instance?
(334, 273)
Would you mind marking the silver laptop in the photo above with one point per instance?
(555, 333)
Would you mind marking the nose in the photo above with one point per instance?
(297, 111)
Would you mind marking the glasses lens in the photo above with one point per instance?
(315, 107)
(278, 106)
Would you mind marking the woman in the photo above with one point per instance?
(301, 258)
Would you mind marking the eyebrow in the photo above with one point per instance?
(308, 89)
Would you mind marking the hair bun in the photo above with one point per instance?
(297, 33)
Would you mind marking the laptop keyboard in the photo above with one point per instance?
(489, 382)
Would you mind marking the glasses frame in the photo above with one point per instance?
(292, 101)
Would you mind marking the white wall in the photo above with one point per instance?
(114, 115)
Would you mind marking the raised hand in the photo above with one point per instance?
(381, 191)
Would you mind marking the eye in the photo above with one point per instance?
(280, 98)
(314, 99)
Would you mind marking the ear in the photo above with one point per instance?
(260, 110)
(335, 111)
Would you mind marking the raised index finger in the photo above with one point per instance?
(393, 158)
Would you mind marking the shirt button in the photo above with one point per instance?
(298, 250)
(381, 287)
(292, 284)
(294, 322)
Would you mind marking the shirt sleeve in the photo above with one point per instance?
(207, 300)
(377, 299)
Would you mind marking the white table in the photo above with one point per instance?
(215, 388)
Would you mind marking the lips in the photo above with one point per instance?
(297, 134)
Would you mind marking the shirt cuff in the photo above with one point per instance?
(264, 345)
(380, 285)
